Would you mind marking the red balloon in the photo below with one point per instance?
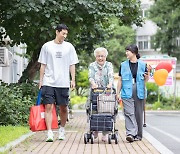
(164, 65)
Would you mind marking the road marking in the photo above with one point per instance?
(165, 133)
(159, 146)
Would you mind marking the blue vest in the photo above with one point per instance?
(127, 83)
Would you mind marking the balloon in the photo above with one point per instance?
(164, 65)
(160, 76)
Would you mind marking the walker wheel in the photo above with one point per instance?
(85, 138)
(109, 138)
(116, 138)
(92, 138)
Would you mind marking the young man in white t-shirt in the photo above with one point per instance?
(58, 59)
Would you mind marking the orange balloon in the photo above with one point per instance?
(160, 76)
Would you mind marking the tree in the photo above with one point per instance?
(82, 82)
(120, 37)
(33, 22)
(166, 15)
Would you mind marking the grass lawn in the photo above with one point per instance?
(11, 133)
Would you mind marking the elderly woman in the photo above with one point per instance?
(101, 75)
(101, 71)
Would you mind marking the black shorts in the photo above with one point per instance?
(57, 95)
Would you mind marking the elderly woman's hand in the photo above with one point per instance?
(109, 85)
(94, 86)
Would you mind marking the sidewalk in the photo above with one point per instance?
(74, 142)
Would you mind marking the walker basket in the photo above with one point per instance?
(106, 103)
(101, 122)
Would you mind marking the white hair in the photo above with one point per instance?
(100, 49)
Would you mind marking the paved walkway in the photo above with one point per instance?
(74, 142)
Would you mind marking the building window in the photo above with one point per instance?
(143, 42)
(140, 45)
(152, 43)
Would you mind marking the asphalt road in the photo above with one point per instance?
(165, 127)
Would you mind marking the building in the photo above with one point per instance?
(12, 63)
(145, 34)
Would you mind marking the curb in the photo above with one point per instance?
(15, 142)
(158, 145)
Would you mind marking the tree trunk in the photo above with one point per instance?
(31, 70)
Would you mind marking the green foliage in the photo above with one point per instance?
(177, 104)
(82, 82)
(163, 102)
(78, 100)
(168, 103)
(152, 92)
(33, 22)
(15, 101)
(120, 37)
(157, 105)
(10, 133)
(166, 15)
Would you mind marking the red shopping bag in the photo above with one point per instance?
(37, 119)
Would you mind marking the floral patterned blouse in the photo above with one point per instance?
(101, 75)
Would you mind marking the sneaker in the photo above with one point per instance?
(50, 136)
(104, 138)
(61, 133)
(95, 133)
(130, 138)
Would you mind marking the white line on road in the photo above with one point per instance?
(159, 146)
(165, 133)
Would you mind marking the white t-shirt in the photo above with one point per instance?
(58, 58)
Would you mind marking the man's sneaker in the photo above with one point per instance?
(50, 136)
(61, 133)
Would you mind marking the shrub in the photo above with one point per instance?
(157, 105)
(78, 100)
(152, 92)
(177, 104)
(15, 101)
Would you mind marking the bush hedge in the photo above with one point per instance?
(15, 102)
(152, 92)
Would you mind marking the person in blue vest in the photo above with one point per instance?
(133, 74)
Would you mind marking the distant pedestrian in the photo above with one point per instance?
(58, 59)
(133, 74)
